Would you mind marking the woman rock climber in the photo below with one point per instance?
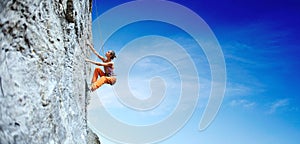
(108, 75)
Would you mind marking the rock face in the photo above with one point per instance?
(43, 96)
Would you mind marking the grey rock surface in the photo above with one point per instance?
(43, 95)
(92, 137)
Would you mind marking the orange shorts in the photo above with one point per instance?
(103, 79)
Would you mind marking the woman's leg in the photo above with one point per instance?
(97, 72)
(99, 83)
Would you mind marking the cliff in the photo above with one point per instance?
(43, 95)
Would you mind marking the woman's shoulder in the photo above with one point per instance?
(109, 62)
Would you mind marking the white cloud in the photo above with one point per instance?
(243, 103)
(277, 105)
(237, 89)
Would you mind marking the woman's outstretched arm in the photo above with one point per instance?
(95, 52)
(98, 63)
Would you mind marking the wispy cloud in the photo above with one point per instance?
(275, 106)
(237, 89)
(251, 46)
(243, 103)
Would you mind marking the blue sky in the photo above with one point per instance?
(259, 40)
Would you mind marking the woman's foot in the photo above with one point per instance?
(92, 87)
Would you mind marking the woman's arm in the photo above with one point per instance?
(95, 52)
(98, 63)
